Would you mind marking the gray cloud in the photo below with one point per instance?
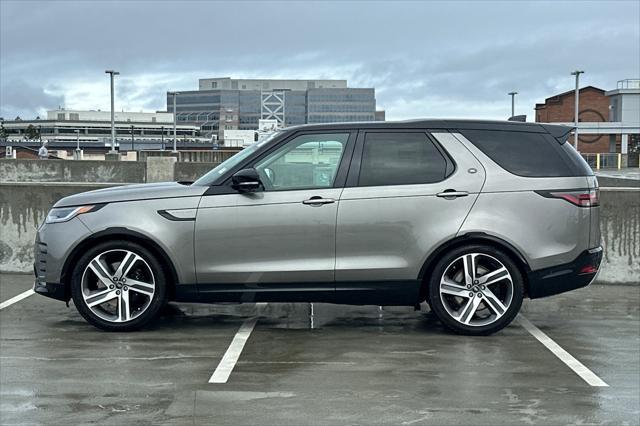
(426, 58)
(19, 98)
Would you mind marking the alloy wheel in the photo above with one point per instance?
(118, 285)
(476, 289)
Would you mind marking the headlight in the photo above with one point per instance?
(63, 214)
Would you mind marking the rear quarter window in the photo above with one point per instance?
(528, 154)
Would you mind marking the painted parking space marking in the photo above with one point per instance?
(16, 299)
(564, 356)
(231, 356)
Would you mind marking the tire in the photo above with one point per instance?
(118, 286)
(478, 304)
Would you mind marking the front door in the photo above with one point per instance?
(284, 234)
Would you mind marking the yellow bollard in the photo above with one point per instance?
(619, 161)
(597, 161)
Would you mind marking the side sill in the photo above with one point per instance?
(383, 293)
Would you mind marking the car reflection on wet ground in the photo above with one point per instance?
(320, 364)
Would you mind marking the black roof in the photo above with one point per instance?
(445, 124)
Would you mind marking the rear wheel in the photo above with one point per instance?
(118, 286)
(476, 290)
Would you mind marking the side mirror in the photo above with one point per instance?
(246, 180)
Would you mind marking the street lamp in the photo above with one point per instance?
(133, 142)
(577, 111)
(175, 115)
(513, 102)
(77, 156)
(113, 127)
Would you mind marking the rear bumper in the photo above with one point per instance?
(570, 276)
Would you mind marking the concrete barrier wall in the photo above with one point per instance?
(620, 227)
(72, 171)
(155, 169)
(191, 171)
(23, 207)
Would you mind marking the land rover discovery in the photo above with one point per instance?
(469, 216)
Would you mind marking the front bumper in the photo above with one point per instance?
(570, 276)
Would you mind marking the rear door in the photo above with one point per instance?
(407, 192)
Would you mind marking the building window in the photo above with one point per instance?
(214, 84)
(61, 116)
(234, 85)
(74, 116)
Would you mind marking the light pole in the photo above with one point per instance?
(133, 142)
(77, 156)
(113, 127)
(577, 111)
(175, 115)
(513, 102)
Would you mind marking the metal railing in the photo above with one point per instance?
(611, 160)
(629, 83)
(191, 156)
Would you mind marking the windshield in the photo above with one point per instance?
(212, 176)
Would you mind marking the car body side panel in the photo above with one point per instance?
(175, 237)
(266, 237)
(546, 231)
(387, 232)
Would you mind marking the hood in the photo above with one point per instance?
(147, 191)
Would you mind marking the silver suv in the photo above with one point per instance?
(469, 216)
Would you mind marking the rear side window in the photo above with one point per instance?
(527, 154)
(400, 159)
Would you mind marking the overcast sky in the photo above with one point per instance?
(425, 59)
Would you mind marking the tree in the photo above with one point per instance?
(31, 132)
(3, 131)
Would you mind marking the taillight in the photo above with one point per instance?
(589, 269)
(577, 197)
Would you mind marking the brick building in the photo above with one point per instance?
(594, 108)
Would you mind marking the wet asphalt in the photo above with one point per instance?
(343, 365)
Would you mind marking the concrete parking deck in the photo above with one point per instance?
(343, 365)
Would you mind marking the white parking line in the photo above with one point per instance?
(17, 298)
(231, 356)
(564, 356)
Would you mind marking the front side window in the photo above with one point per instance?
(400, 159)
(307, 161)
(214, 176)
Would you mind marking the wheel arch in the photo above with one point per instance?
(473, 238)
(125, 234)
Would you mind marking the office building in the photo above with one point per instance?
(95, 126)
(237, 104)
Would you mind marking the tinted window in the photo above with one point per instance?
(400, 159)
(523, 153)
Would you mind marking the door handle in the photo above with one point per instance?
(318, 201)
(451, 194)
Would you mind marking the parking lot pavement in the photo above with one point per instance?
(357, 365)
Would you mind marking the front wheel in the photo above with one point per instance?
(118, 286)
(476, 290)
